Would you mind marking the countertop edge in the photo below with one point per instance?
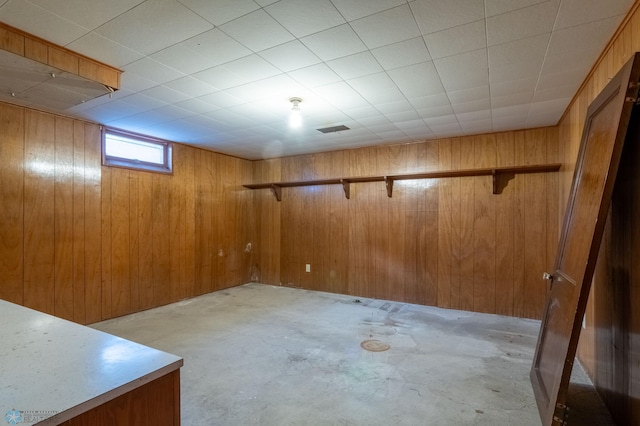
(112, 394)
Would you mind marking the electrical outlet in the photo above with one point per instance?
(307, 267)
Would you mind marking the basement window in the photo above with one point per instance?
(128, 150)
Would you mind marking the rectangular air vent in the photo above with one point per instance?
(333, 129)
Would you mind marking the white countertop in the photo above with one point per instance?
(54, 368)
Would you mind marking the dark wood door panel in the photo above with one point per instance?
(604, 134)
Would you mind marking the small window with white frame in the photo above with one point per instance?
(128, 150)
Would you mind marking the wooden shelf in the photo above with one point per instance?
(501, 177)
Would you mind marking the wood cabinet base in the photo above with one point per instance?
(155, 404)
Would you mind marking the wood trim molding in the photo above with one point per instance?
(29, 46)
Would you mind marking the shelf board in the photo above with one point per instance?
(501, 177)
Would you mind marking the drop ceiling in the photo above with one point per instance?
(218, 74)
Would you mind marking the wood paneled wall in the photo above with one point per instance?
(609, 347)
(446, 242)
(86, 243)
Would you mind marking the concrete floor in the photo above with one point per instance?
(258, 354)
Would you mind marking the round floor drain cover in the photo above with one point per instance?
(374, 345)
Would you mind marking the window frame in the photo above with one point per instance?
(126, 163)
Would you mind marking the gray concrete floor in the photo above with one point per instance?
(258, 354)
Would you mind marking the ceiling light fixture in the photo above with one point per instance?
(295, 118)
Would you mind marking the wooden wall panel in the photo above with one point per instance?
(484, 228)
(39, 217)
(505, 230)
(12, 213)
(435, 242)
(609, 348)
(78, 223)
(87, 243)
(63, 207)
(145, 234)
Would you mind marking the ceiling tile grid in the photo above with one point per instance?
(218, 74)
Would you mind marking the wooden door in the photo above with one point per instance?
(600, 150)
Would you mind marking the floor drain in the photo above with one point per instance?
(374, 346)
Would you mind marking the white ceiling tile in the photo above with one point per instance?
(464, 71)
(375, 122)
(265, 3)
(528, 51)
(182, 59)
(388, 27)
(143, 102)
(154, 25)
(196, 106)
(341, 95)
(591, 37)
(456, 40)
(516, 113)
(511, 111)
(419, 80)
(469, 95)
(152, 70)
(511, 87)
(570, 77)
(498, 7)
(473, 106)
(235, 73)
(471, 116)
(315, 75)
(334, 43)
(435, 111)
(239, 102)
(91, 14)
(554, 91)
(511, 100)
(522, 23)
(190, 86)
(441, 120)
(257, 31)
(219, 12)
(430, 101)
(262, 114)
(201, 52)
(437, 15)
(395, 107)
(104, 50)
(366, 112)
(412, 125)
(40, 22)
(403, 116)
(516, 71)
(290, 56)
(354, 66)
(134, 82)
(114, 110)
(377, 88)
(231, 120)
(355, 9)
(518, 110)
(304, 17)
(577, 12)
(221, 100)
(579, 61)
(408, 52)
(277, 89)
(166, 94)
